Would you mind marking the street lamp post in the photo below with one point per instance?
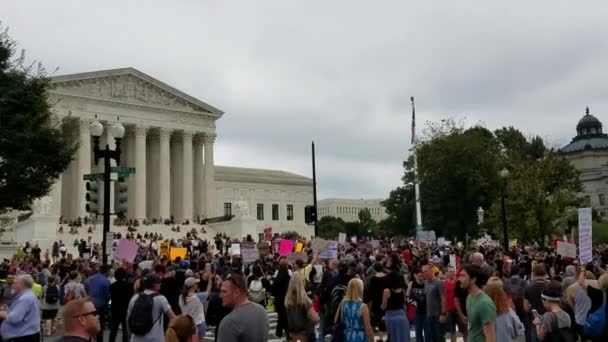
(504, 174)
(117, 131)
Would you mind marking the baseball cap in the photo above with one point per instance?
(189, 282)
(151, 279)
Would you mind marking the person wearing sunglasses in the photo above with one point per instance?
(80, 321)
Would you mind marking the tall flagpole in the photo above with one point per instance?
(416, 184)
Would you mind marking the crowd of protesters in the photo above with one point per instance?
(391, 289)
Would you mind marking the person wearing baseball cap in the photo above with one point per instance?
(190, 304)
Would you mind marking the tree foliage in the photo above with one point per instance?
(459, 171)
(34, 150)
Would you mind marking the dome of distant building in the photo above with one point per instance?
(589, 135)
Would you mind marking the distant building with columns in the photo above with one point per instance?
(348, 209)
(170, 140)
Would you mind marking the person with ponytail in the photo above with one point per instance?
(181, 329)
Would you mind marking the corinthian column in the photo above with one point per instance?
(187, 192)
(210, 202)
(140, 172)
(84, 167)
(199, 177)
(164, 180)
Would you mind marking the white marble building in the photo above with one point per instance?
(348, 209)
(588, 153)
(170, 140)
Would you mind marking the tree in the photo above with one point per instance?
(329, 227)
(401, 212)
(34, 150)
(367, 224)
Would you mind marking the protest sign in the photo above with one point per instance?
(331, 252)
(263, 248)
(285, 247)
(126, 250)
(341, 238)
(320, 245)
(426, 236)
(375, 243)
(268, 233)
(299, 247)
(250, 255)
(146, 265)
(584, 235)
(566, 249)
(177, 252)
(235, 249)
(292, 257)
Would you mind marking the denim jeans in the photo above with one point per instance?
(422, 333)
(435, 330)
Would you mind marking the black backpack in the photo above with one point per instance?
(558, 334)
(52, 294)
(141, 319)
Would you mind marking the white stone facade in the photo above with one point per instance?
(348, 209)
(170, 141)
(274, 198)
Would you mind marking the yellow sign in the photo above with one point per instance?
(299, 247)
(164, 249)
(176, 252)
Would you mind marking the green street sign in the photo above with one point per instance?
(123, 171)
(93, 177)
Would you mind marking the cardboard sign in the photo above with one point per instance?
(297, 256)
(126, 250)
(268, 233)
(320, 245)
(584, 235)
(331, 252)
(177, 252)
(250, 255)
(566, 249)
(341, 238)
(285, 247)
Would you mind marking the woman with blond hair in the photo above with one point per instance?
(508, 325)
(354, 314)
(301, 317)
(181, 329)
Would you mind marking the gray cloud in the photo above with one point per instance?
(340, 72)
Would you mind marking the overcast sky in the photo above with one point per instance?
(340, 72)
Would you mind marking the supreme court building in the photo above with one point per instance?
(169, 139)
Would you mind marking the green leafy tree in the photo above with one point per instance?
(367, 225)
(34, 150)
(330, 226)
(401, 212)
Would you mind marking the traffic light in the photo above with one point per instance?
(310, 214)
(92, 197)
(122, 196)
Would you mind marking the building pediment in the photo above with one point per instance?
(129, 85)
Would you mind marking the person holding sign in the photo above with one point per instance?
(258, 286)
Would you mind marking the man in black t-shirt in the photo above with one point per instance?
(533, 300)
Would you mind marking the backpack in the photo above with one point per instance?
(560, 334)
(595, 323)
(257, 293)
(141, 320)
(337, 294)
(52, 294)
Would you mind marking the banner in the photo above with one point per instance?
(268, 233)
(250, 255)
(331, 252)
(584, 235)
(285, 247)
(320, 245)
(566, 249)
(177, 252)
(292, 257)
(126, 250)
(341, 238)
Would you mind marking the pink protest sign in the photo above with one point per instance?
(126, 250)
(285, 247)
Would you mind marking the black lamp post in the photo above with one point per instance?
(117, 131)
(504, 174)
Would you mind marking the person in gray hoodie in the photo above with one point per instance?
(569, 278)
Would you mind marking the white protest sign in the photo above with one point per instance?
(341, 238)
(426, 236)
(584, 235)
(566, 249)
(320, 245)
(331, 252)
(375, 243)
(235, 249)
(250, 255)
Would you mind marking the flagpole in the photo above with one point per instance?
(416, 183)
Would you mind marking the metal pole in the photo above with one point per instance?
(314, 185)
(416, 183)
(504, 217)
(106, 201)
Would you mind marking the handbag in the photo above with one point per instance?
(339, 333)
